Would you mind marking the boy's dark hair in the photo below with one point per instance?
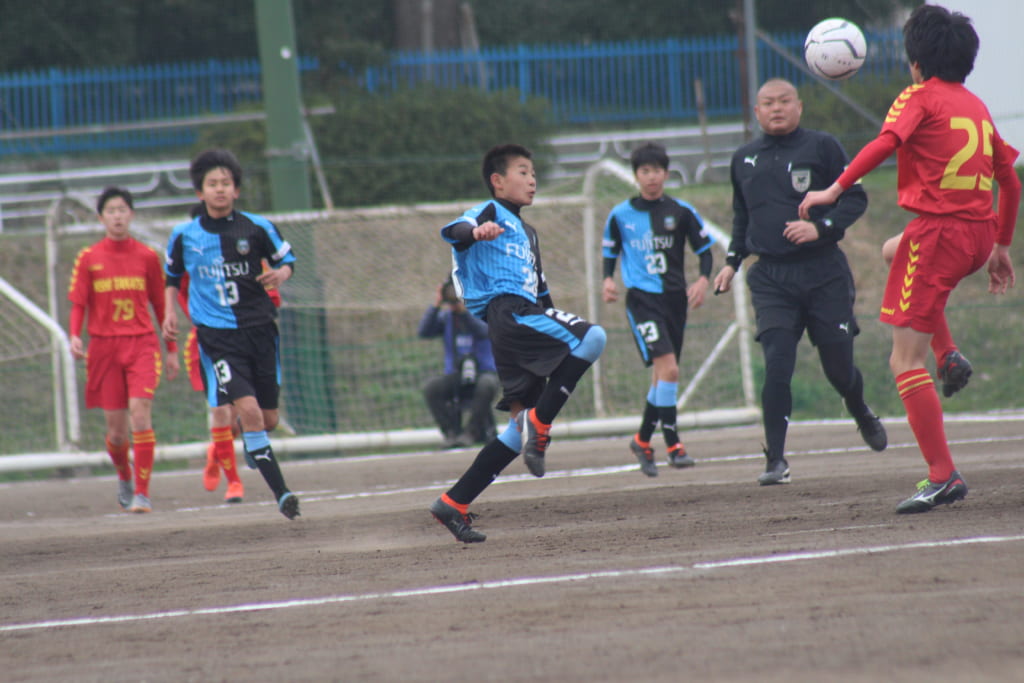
(649, 153)
(497, 158)
(942, 43)
(111, 192)
(210, 159)
(448, 294)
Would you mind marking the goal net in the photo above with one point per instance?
(352, 360)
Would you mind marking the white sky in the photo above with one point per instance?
(998, 76)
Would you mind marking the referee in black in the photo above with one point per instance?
(801, 279)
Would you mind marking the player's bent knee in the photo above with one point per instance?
(592, 344)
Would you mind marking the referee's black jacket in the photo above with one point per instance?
(770, 177)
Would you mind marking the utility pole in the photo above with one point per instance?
(288, 151)
(307, 392)
(750, 39)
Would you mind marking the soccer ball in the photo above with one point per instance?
(835, 49)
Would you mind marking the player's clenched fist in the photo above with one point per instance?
(487, 231)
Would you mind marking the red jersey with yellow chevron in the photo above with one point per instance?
(116, 280)
(948, 152)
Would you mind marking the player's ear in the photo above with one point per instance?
(497, 181)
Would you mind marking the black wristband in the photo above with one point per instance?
(825, 228)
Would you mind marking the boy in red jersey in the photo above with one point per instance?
(114, 281)
(949, 154)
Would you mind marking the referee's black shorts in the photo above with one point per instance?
(658, 322)
(816, 294)
(529, 342)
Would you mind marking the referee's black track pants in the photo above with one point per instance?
(779, 347)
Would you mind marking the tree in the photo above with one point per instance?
(575, 21)
(70, 33)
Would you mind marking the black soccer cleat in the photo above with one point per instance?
(678, 458)
(872, 431)
(777, 472)
(536, 439)
(930, 494)
(461, 525)
(954, 371)
(288, 504)
(645, 456)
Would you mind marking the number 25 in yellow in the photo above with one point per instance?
(951, 179)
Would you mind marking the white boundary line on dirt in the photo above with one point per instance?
(330, 494)
(509, 583)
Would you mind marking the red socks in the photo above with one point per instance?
(144, 444)
(942, 341)
(924, 413)
(119, 456)
(224, 452)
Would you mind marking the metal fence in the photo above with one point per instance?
(618, 82)
(600, 82)
(71, 101)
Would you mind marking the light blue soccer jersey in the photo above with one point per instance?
(509, 264)
(223, 261)
(651, 237)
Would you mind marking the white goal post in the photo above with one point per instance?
(354, 367)
(63, 386)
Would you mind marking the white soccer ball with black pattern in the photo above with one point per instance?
(835, 49)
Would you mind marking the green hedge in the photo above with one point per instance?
(418, 145)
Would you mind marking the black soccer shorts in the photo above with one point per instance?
(529, 342)
(242, 362)
(658, 322)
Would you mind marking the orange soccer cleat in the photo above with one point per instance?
(211, 473)
(235, 492)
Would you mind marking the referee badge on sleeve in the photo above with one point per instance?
(801, 178)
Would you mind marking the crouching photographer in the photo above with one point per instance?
(470, 381)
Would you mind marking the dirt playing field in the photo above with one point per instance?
(594, 573)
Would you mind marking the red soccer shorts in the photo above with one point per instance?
(119, 368)
(935, 254)
(192, 365)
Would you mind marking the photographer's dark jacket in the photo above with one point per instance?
(464, 334)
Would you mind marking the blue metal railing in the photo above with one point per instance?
(600, 82)
(80, 98)
(618, 81)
